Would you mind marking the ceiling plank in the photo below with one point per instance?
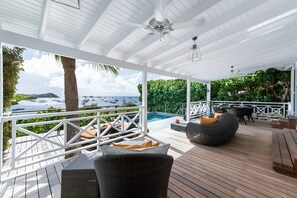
(45, 15)
(181, 53)
(91, 25)
(243, 8)
(194, 12)
(129, 30)
(242, 52)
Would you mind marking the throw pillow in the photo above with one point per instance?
(114, 150)
(206, 121)
(217, 115)
(136, 146)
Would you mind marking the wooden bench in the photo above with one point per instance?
(284, 145)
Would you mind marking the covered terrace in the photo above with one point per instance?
(248, 35)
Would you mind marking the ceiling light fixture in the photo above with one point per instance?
(194, 52)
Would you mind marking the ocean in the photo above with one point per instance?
(45, 103)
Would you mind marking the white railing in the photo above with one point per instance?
(260, 109)
(33, 151)
(199, 109)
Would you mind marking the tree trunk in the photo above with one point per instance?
(71, 99)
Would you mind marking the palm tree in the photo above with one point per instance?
(71, 92)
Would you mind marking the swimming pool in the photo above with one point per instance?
(155, 116)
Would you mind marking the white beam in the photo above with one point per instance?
(198, 10)
(92, 25)
(33, 43)
(178, 54)
(45, 14)
(144, 102)
(188, 115)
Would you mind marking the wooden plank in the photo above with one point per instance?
(292, 146)
(42, 183)
(276, 153)
(19, 189)
(286, 158)
(53, 182)
(31, 185)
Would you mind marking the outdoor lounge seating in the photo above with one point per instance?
(213, 134)
(133, 175)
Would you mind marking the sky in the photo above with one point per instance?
(42, 74)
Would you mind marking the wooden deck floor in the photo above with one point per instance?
(241, 168)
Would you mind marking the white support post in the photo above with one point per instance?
(1, 101)
(295, 89)
(144, 102)
(292, 93)
(98, 130)
(188, 115)
(208, 97)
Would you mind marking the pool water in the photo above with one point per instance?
(155, 116)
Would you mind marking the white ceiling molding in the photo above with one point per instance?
(33, 43)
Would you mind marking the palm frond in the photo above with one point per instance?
(108, 68)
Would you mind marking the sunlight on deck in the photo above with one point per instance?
(240, 168)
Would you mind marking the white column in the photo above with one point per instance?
(292, 93)
(144, 101)
(294, 106)
(208, 96)
(188, 99)
(1, 101)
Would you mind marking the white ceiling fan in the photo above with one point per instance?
(161, 26)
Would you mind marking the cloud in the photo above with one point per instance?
(43, 74)
(45, 66)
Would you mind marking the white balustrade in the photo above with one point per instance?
(260, 109)
(33, 151)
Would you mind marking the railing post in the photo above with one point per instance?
(13, 142)
(65, 132)
(98, 130)
(122, 123)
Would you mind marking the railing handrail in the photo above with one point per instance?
(66, 113)
(253, 102)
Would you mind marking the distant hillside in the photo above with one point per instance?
(19, 97)
(45, 95)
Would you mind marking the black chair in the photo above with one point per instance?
(219, 109)
(248, 112)
(239, 113)
(134, 175)
(214, 134)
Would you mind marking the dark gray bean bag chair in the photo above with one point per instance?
(214, 134)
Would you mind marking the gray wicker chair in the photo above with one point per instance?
(136, 175)
(213, 134)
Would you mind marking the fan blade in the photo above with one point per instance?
(172, 40)
(190, 24)
(133, 24)
(160, 7)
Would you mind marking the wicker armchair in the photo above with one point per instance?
(134, 175)
(213, 134)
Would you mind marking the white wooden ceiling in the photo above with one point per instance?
(247, 34)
